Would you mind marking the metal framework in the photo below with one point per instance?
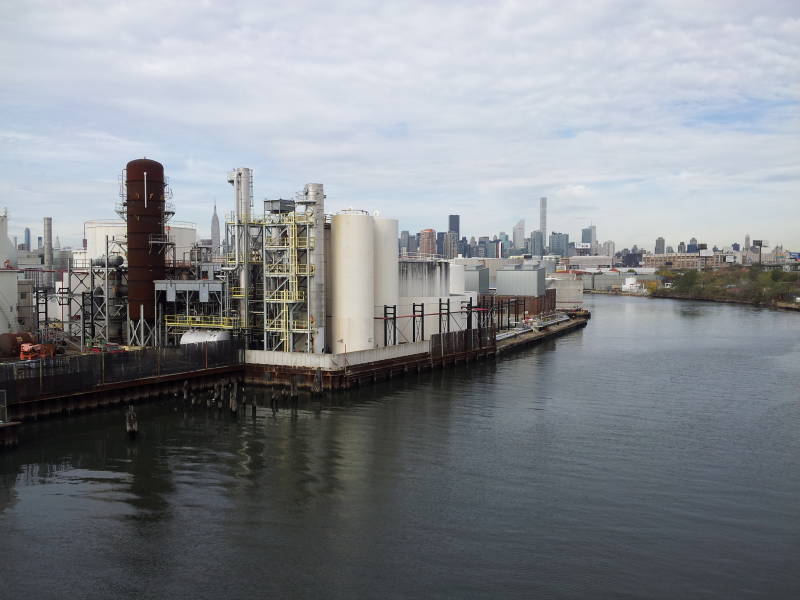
(269, 276)
(94, 307)
(389, 325)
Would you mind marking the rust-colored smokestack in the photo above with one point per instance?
(145, 213)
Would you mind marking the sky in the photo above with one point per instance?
(646, 119)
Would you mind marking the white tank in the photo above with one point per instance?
(183, 235)
(96, 232)
(353, 291)
(194, 336)
(387, 282)
(456, 278)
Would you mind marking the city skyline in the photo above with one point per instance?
(601, 242)
(645, 118)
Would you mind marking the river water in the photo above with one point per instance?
(654, 454)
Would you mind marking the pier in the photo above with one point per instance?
(64, 385)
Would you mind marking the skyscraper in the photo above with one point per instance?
(440, 242)
(518, 234)
(427, 241)
(659, 245)
(27, 239)
(746, 241)
(215, 232)
(403, 245)
(589, 236)
(454, 224)
(543, 216)
(450, 245)
(559, 243)
(537, 243)
(681, 247)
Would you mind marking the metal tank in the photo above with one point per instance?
(353, 285)
(145, 216)
(242, 181)
(315, 199)
(385, 272)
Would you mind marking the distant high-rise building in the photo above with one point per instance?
(454, 224)
(440, 242)
(463, 247)
(39, 243)
(609, 248)
(450, 245)
(747, 242)
(427, 241)
(543, 216)
(736, 247)
(518, 234)
(215, 240)
(413, 243)
(692, 246)
(670, 250)
(682, 248)
(559, 243)
(402, 243)
(659, 245)
(589, 235)
(537, 243)
(26, 239)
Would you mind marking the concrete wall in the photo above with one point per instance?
(335, 362)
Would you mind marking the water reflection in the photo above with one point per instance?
(648, 448)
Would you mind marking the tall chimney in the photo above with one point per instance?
(48, 242)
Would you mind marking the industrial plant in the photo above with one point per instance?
(299, 294)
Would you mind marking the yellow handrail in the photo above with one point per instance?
(201, 321)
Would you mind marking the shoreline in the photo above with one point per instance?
(292, 381)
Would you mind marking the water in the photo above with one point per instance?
(654, 454)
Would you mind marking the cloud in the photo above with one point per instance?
(416, 109)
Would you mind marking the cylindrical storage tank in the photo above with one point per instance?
(145, 213)
(353, 285)
(387, 280)
(193, 336)
(456, 278)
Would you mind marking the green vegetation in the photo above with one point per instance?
(753, 285)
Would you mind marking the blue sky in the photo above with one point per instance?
(673, 118)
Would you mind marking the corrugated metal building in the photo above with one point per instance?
(521, 281)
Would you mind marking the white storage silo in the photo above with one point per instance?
(353, 282)
(387, 281)
(456, 278)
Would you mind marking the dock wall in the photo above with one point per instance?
(63, 385)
